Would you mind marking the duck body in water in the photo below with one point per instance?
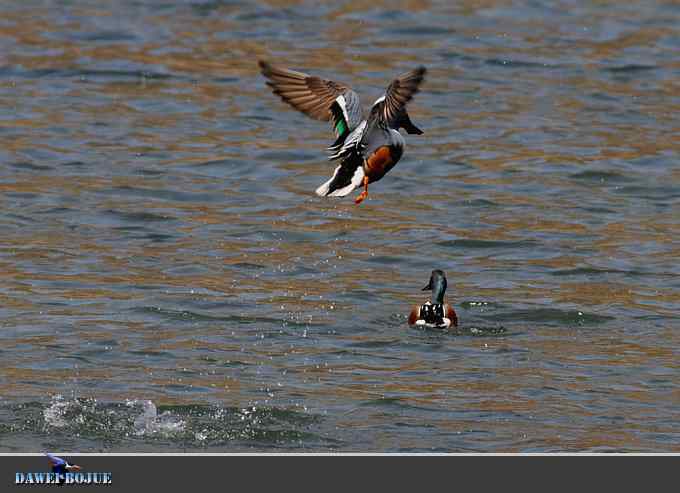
(434, 313)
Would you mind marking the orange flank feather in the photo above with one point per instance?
(413, 316)
(376, 166)
(379, 163)
(451, 315)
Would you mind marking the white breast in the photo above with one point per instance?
(445, 325)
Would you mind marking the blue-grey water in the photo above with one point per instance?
(170, 282)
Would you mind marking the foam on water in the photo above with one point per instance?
(54, 414)
(149, 422)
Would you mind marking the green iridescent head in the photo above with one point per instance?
(437, 285)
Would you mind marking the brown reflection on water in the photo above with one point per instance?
(161, 239)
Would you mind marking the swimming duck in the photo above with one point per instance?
(436, 313)
(367, 148)
(60, 465)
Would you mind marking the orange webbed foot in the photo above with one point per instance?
(360, 198)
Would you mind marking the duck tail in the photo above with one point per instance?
(346, 177)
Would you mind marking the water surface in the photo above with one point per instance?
(169, 281)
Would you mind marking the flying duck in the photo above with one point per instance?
(366, 148)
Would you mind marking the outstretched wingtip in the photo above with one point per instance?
(265, 67)
(417, 73)
(420, 72)
(419, 77)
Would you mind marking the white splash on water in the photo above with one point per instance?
(54, 413)
(149, 422)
